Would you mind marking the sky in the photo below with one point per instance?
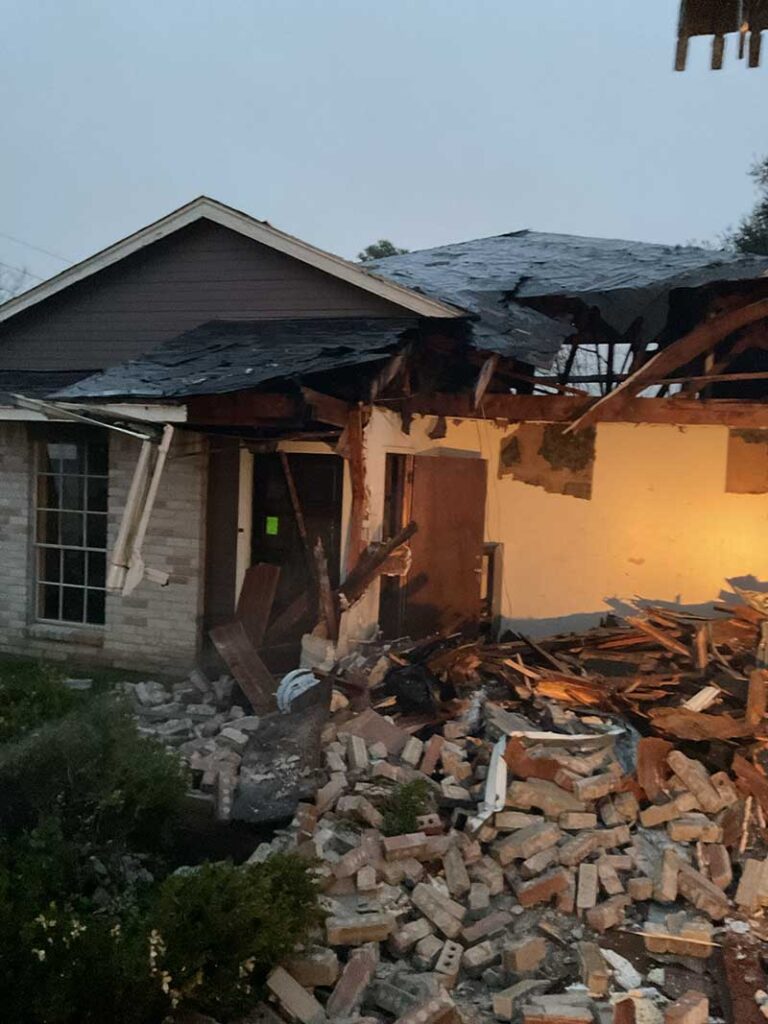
(344, 121)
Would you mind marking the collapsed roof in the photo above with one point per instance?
(625, 281)
(498, 280)
(226, 356)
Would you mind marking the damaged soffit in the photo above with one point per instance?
(623, 280)
(225, 356)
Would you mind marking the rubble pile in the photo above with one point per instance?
(517, 906)
(590, 844)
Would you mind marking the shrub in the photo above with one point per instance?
(94, 774)
(405, 805)
(30, 694)
(217, 931)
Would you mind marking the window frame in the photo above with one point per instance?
(42, 506)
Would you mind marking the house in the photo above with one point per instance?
(568, 423)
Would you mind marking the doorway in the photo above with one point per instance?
(297, 498)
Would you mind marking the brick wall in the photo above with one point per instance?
(156, 628)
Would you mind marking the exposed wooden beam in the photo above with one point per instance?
(242, 408)
(564, 408)
(388, 373)
(484, 378)
(356, 458)
(701, 339)
(326, 408)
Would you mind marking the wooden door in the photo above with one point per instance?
(443, 589)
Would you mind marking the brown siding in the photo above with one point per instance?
(202, 272)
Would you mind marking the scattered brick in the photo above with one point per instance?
(357, 929)
(316, 967)
(350, 988)
(596, 786)
(360, 809)
(640, 888)
(413, 844)
(449, 961)
(595, 973)
(444, 913)
(412, 751)
(507, 1003)
(542, 889)
(609, 880)
(691, 1008)
(486, 927)
(695, 778)
(703, 894)
(432, 751)
(551, 799)
(694, 828)
(508, 821)
(576, 821)
(440, 1009)
(524, 956)
(479, 958)
(586, 890)
(408, 936)
(456, 877)
(718, 862)
(608, 914)
(660, 814)
(539, 862)
(426, 952)
(574, 851)
(525, 842)
(488, 871)
(751, 885)
(299, 1003)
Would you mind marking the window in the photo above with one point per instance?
(71, 528)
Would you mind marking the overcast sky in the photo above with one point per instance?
(425, 121)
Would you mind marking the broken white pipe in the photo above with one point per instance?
(136, 570)
(495, 796)
(118, 561)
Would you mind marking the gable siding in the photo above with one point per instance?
(202, 272)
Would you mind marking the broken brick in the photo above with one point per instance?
(542, 889)
(690, 1008)
(313, 968)
(524, 955)
(486, 927)
(551, 799)
(350, 988)
(576, 821)
(525, 842)
(702, 893)
(586, 890)
(406, 937)
(476, 959)
(595, 973)
(413, 844)
(449, 961)
(444, 913)
(695, 778)
(608, 914)
(357, 929)
(300, 1004)
(456, 877)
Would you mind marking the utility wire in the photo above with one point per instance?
(37, 248)
(21, 270)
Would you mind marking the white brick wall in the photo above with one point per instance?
(156, 628)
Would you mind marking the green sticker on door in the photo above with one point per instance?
(272, 526)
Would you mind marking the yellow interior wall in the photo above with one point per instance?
(659, 525)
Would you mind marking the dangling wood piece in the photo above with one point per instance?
(327, 598)
(357, 515)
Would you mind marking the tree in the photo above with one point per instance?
(379, 250)
(752, 234)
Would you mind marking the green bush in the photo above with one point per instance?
(405, 805)
(94, 774)
(30, 694)
(218, 931)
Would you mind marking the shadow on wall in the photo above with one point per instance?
(621, 607)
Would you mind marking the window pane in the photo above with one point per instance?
(49, 565)
(48, 528)
(67, 457)
(48, 602)
(72, 492)
(73, 604)
(97, 494)
(96, 607)
(97, 531)
(72, 528)
(97, 569)
(74, 567)
(48, 491)
(97, 458)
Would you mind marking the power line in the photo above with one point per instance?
(37, 248)
(21, 270)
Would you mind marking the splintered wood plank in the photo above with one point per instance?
(659, 636)
(652, 770)
(356, 458)
(756, 697)
(327, 596)
(243, 661)
(257, 595)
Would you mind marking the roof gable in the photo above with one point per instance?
(204, 208)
